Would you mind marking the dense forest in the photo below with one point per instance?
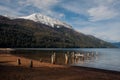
(23, 33)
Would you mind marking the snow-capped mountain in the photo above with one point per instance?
(10, 17)
(37, 17)
(37, 35)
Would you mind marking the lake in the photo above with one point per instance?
(102, 58)
(108, 59)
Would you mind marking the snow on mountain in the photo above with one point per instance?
(37, 17)
(10, 17)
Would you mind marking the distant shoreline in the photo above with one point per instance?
(9, 49)
(50, 48)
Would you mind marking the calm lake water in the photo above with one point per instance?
(102, 58)
(108, 59)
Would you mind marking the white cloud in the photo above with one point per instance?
(8, 11)
(95, 10)
(54, 14)
(60, 16)
(104, 2)
(108, 32)
(92, 10)
(78, 6)
(101, 13)
(44, 6)
(41, 4)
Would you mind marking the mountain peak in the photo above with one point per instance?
(33, 34)
(37, 17)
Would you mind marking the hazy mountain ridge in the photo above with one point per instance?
(117, 44)
(27, 33)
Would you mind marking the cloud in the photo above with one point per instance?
(108, 32)
(41, 4)
(96, 17)
(95, 10)
(44, 6)
(101, 13)
(8, 11)
(78, 6)
(104, 2)
(53, 14)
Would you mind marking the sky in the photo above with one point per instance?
(100, 18)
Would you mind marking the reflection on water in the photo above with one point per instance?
(79, 57)
(107, 58)
(89, 57)
(56, 56)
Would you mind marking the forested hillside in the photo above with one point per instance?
(26, 33)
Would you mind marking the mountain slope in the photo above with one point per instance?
(117, 44)
(27, 33)
(37, 17)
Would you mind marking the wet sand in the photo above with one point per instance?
(10, 70)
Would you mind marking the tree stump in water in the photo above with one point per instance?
(31, 64)
(66, 58)
(18, 61)
(53, 58)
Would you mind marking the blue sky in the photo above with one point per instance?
(100, 18)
